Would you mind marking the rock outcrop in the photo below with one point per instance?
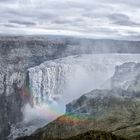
(90, 135)
(127, 77)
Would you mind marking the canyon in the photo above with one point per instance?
(38, 70)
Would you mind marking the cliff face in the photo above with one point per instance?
(17, 54)
(127, 76)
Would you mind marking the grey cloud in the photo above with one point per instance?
(10, 25)
(83, 16)
(135, 3)
(7, 1)
(121, 19)
(26, 23)
(74, 21)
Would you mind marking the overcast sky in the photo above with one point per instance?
(97, 18)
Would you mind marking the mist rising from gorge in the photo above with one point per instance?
(57, 82)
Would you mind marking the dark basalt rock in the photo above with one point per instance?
(90, 135)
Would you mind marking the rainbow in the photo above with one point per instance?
(51, 112)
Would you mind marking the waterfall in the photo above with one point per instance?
(68, 78)
(53, 84)
(48, 81)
